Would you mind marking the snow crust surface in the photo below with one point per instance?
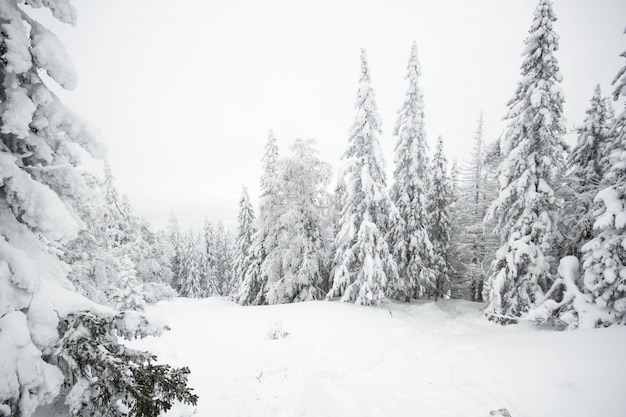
(424, 358)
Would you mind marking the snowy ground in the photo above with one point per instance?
(423, 359)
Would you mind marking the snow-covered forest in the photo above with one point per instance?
(444, 264)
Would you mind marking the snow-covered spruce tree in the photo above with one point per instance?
(587, 165)
(39, 183)
(475, 248)
(177, 244)
(246, 227)
(439, 208)
(454, 180)
(409, 239)
(223, 260)
(456, 269)
(363, 264)
(299, 233)
(254, 286)
(576, 301)
(116, 220)
(533, 151)
(207, 255)
(604, 260)
(193, 283)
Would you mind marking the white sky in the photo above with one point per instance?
(185, 95)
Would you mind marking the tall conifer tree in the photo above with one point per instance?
(587, 166)
(411, 245)
(604, 260)
(254, 286)
(439, 207)
(533, 148)
(363, 262)
(245, 231)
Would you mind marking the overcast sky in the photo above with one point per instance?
(184, 96)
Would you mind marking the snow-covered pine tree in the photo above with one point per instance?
(270, 158)
(211, 242)
(337, 201)
(116, 217)
(363, 264)
(587, 301)
(193, 283)
(439, 206)
(246, 227)
(223, 260)
(533, 151)
(454, 180)
(587, 165)
(604, 260)
(456, 268)
(41, 362)
(299, 232)
(207, 258)
(409, 239)
(475, 248)
(176, 242)
(254, 286)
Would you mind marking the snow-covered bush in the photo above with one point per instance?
(156, 291)
(568, 305)
(276, 331)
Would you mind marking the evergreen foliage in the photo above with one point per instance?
(411, 245)
(176, 243)
(222, 261)
(193, 282)
(245, 232)
(363, 262)
(105, 378)
(532, 147)
(254, 286)
(587, 164)
(439, 209)
(604, 256)
(298, 232)
(207, 252)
